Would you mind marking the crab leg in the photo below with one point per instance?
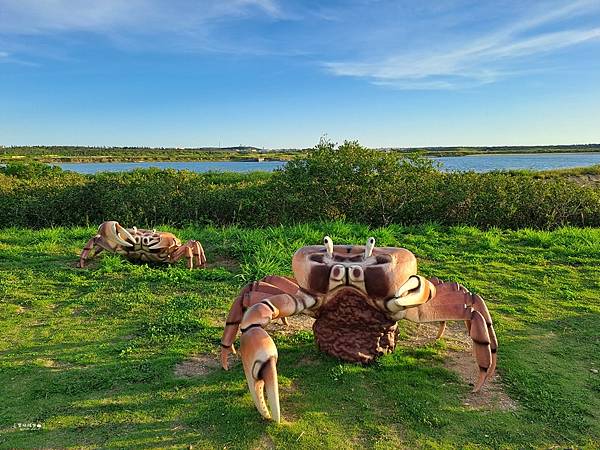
(92, 244)
(259, 354)
(453, 302)
(95, 245)
(251, 294)
(180, 253)
(192, 250)
(198, 251)
(442, 327)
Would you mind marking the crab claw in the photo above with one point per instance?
(259, 357)
(120, 235)
(416, 291)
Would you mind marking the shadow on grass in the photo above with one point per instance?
(133, 403)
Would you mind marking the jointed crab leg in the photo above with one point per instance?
(198, 251)
(259, 354)
(192, 250)
(92, 245)
(251, 294)
(454, 302)
(194, 253)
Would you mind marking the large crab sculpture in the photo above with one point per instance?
(357, 294)
(137, 245)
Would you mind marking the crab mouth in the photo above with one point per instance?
(346, 288)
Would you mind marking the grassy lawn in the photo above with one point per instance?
(89, 354)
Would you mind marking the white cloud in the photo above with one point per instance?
(476, 61)
(46, 16)
(171, 26)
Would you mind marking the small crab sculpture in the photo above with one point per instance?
(357, 294)
(142, 245)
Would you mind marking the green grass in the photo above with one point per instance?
(89, 354)
(593, 170)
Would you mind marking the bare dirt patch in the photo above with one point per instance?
(264, 443)
(459, 359)
(52, 364)
(199, 365)
(226, 263)
(296, 323)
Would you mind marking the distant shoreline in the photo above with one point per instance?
(74, 154)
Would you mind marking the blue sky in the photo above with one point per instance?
(276, 74)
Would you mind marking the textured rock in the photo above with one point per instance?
(349, 328)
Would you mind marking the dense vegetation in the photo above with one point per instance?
(90, 354)
(105, 154)
(346, 182)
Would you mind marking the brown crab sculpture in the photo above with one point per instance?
(356, 294)
(142, 245)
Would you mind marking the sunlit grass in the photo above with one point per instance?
(89, 354)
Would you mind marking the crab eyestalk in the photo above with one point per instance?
(328, 243)
(369, 247)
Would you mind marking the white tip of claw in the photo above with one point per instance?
(272, 389)
(128, 235)
(328, 245)
(369, 247)
(413, 282)
(118, 238)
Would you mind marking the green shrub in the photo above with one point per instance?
(347, 182)
(30, 170)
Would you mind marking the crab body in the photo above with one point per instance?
(141, 245)
(356, 294)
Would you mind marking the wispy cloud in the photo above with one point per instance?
(480, 60)
(35, 16)
(446, 44)
(181, 25)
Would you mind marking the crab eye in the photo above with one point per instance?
(338, 272)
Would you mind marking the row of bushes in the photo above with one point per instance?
(348, 182)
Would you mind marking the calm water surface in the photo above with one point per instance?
(538, 161)
(478, 163)
(194, 166)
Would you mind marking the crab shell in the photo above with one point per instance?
(378, 273)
